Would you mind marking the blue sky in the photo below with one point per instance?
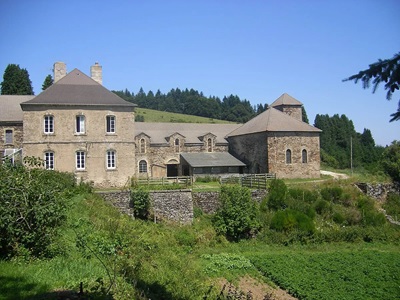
(257, 50)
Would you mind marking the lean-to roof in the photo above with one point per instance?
(211, 159)
(10, 107)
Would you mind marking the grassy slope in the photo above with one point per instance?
(156, 116)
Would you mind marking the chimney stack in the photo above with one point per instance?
(96, 73)
(60, 70)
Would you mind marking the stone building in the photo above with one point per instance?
(278, 141)
(77, 125)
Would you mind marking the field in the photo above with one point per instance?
(156, 116)
(116, 257)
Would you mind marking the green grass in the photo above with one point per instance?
(156, 116)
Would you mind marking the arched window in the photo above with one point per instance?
(304, 156)
(177, 145)
(288, 156)
(209, 145)
(142, 166)
(142, 146)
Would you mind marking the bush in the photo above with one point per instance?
(289, 219)
(303, 195)
(140, 201)
(32, 208)
(323, 207)
(277, 194)
(332, 194)
(392, 205)
(237, 216)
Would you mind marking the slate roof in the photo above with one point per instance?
(273, 120)
(76, 88)
(10, 109)
(211, 159)
(158, 132)
(285, 99)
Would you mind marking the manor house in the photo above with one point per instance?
(79, 126)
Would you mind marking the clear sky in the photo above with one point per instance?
(257, 50)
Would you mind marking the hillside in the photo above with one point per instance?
(156, 116)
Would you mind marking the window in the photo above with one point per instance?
(142, 166)
(49, 160)
(142, 146)
(304, 156)
(48, 124)
(9, 136)
(209, 145)
(80, 124)
(80, 160)
(111, 158)
(288, 156)
(177, 145)
(110, 124)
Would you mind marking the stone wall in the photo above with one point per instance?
(16, 138)
(378, 191)
(176, 205)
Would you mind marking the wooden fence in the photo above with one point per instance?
(163, 181)
(255, 181)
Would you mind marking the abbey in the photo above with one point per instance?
(79, 126)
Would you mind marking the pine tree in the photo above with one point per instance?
(48, 81)
(16, 81)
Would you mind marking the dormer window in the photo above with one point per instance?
(48, 124)
(177, 145)
(142, 146)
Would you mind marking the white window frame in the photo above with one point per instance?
(48, 123)
(110, 124)
(80, 160)
(80, 124)
(49, 160)
(111, 160)
(142, 166)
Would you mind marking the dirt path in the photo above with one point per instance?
(257, 289)
(335, 175)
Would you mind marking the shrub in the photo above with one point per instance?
(289, 219)
(32, 208)
(237, 216)
(332, 194)
(140, 201)
(392, 205)
(303, 195)
(277, 194)
(323, 207)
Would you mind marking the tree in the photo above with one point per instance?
(391, 161)
(48, 81)
(16, 81)
(237, 216)
(387, 71)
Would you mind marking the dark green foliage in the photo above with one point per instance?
(355, 274)
(48, 81)
(304, 115)
(370, 216)
(140, 201)
(339, 140)
(323, 207)
(332, 194)
(392, 205)
(303, 195)
(386, 71)
(391, 161)
(139, 118)
(32, 208)
(237, 216)
(192, 102)
(277, 194)
(289, 219)
(16, 81)
(338, 218)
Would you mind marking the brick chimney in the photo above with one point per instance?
(60, 70)
(96, 72)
